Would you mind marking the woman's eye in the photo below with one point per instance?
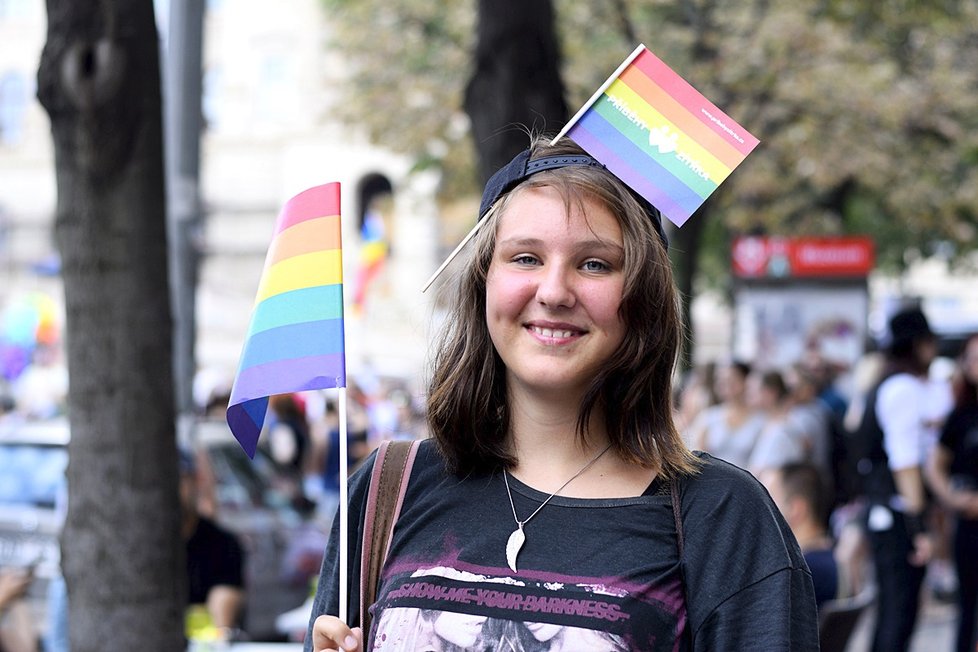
(525, 259)
(595, 266)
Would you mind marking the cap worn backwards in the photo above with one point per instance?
(521, 167)
(516, 171)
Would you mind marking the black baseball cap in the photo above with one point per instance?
(522, 166)
(908, 326)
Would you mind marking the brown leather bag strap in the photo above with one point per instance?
(677, 515)
(385, 495)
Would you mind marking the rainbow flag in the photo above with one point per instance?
(659, 135)
(295, 341)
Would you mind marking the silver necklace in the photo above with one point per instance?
(518, 537)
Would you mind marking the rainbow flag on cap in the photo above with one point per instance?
(659, 135)
(295, 341)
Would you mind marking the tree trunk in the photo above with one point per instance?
(516, 83)
(122, 556)
(684, 250)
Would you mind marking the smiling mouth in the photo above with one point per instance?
(553, 333)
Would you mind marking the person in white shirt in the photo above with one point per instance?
(895, 519)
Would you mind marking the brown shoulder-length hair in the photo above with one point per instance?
(467, 410)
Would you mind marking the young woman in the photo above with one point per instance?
(556, 489)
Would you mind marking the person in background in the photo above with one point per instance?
(941, 578)
(952, 472)
(780, 441)
(215, 560)
(799, 493)
(16, 630)
(812, 417)
(356, 451)
(288, 443)
(41, 390)
(730, 429)
(892, 440)
(696, 393)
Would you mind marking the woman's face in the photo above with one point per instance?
(553, 291)
(730, 383)
(759, 396)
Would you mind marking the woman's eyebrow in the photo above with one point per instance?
(583, 245)
(521, 242)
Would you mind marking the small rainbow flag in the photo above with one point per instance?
(659, 135)
(295, 341)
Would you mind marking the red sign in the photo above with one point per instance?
(765, 257)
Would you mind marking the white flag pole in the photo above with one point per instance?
(451, 256)
(344, 511)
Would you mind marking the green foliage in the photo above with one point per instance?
(408, 64)
(865, 109)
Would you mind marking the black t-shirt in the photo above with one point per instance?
(214, 558)
(960, 436)
(594, 574)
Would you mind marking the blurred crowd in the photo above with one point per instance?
(796, 428)
(36, 389)
(875, 467)
(302, 432)
(786, 426)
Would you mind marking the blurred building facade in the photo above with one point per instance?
(269, 81)
(268, 84)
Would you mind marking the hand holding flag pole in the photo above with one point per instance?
(296, 340)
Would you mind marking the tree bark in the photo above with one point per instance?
(516, 84)
(684, 250)
(121, 553)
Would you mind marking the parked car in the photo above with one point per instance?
(283, 545)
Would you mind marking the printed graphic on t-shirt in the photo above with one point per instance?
(429, 630)
(449, 608)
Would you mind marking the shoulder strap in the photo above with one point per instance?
(388, 483)
(677, 515)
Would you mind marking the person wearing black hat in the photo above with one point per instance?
(894, 425)
(556, 502)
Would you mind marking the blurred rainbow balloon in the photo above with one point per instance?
(28, 321)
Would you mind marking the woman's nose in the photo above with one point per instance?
(555, 288)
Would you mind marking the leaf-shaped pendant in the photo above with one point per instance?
(516, 541)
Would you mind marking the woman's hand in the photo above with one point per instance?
(331, 633)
